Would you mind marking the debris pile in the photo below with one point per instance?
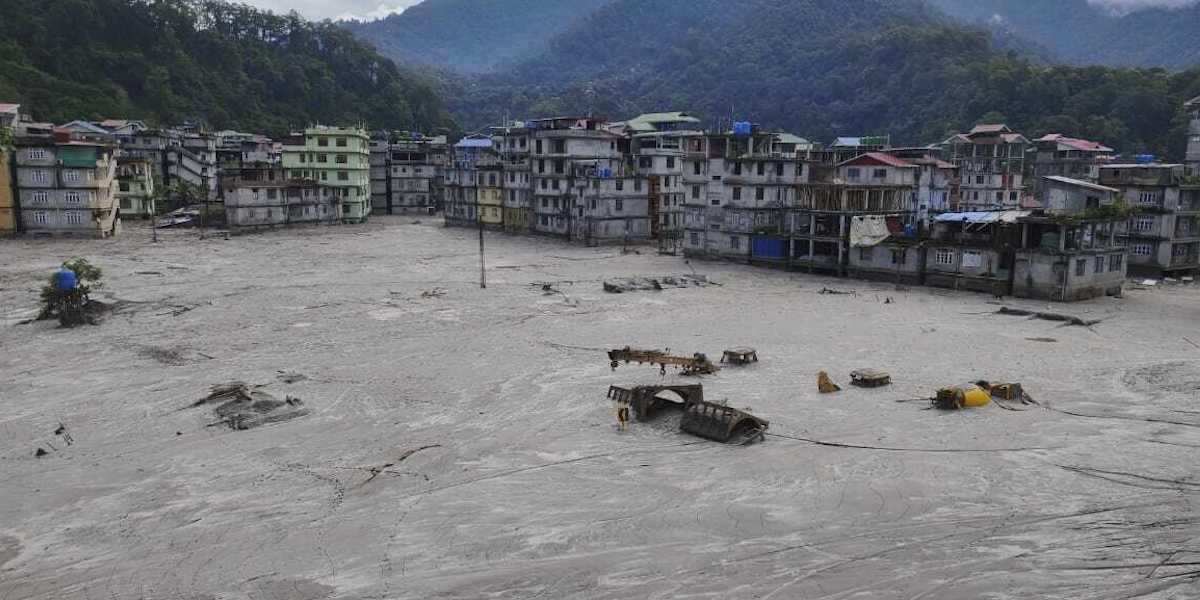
(708, 420)
(1047, 316)
(641, 284)
(697, 364)
(740, 356)
(241, 407)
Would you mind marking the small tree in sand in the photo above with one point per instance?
(70, 306)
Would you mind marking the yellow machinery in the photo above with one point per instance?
(967, 395)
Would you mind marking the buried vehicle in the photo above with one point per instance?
(980, 393)
(697, 364)
(740, 356)
(700, 418)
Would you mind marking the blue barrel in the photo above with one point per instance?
(64, 280)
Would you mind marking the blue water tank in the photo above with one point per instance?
(742, 128)
(1145, 159)
(64, 280)
(910, 231)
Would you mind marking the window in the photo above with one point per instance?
(303, 157)
(695, 192)
(272, 193)
(979, 180)
(1148, 198)
(1081, 267)
(72, 198)
(619, 205)
(716, 201)
(620, 185)
(779, 169)
(41, 197)
(322, 158)
(341, 159)
(760, 193)
(1144, 224)
(593, 204)
(36, 154)
(880, 174)
(670, 162)
(554, 184)
(645, 162)
(544, 185)
(1099, 264)
(1012, 197)
(735, 242)
(39, 177)
(696, 168)
(864, 254)
(71, 176)
(853, 173)
(124, 186)
(560, 146)
(1143, 249)
(343, 176)
(943, 256)
(341, 142)
(543, 219)
(322, 141)
(897, 257)
(1114, 262)
(539, 151)
(637, 185)
(545, 203)
(695, 239)
(762, 168)
(41, 217)
(737, 193)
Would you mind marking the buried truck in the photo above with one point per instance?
(697, 364)
(700, 418)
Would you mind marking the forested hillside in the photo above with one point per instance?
(168, 60)
(823, 68)
(1081, 32)
(472, 36)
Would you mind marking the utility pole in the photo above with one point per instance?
(482, 268)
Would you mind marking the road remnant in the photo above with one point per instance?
(697, 364)
(700, 418)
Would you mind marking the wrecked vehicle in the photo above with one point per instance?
(697, 364)
(740, 356)
(700, 418)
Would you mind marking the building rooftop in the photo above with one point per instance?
(983, 217)
(7, 108)
(1074, 143)
(881, 158)
(1144, 166)
(1080, 183)
(787, 138)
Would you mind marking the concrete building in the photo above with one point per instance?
(1058, 155)
(991, 166)
(136, 190)
(267, 197)
(235, 150)
(175, 156)
(8, 204)
(337, 158)
(829, 207)
(406, 172)
(10, 115)
(470, 154)
(571, 152)
(938, 182)
(67, 184)
(1192, 158)
(740, 188)
(513, 144)
(489, 196)
(1164, 234)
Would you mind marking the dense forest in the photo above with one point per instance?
(824, 68)
(472, 36)
(1085, 33)
(230, 65)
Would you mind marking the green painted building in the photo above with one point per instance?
(338, 160)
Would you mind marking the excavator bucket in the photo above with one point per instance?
(825, 385)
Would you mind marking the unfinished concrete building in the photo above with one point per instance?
(513, 143)
(136, 190)
(462, 179)
(406, 172)
(1192, 158)
(1056, 154)
(991, 165)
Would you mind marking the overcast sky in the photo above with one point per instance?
(373, 9)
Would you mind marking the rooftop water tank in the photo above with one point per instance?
(742, 128)
(1145, 159)
(64, 280)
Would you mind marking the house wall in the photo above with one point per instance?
(1055, 276)
(8, 215)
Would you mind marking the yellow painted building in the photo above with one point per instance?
(8, 222)
(490, 200)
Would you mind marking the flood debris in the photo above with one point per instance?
(830, 291)
(658, 284)
(870, 378)
(40, 452)
(1047, 316)
(436, 292)
(240, 406)
(980, 394)
(825, 385)
(700, 418)
(739, 356)
(697, 364)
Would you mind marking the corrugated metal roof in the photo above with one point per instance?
(1080, 183)
(880, 157)
(787, 138)
(9, 108)
(474, 143)
(983, 217)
